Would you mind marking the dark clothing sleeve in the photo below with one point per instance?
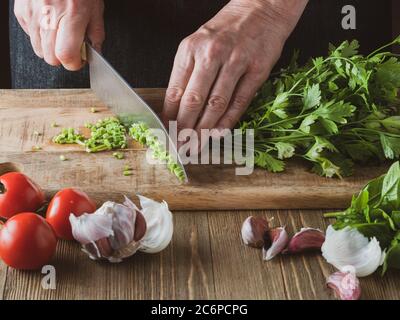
(142, 38)
(141, 41)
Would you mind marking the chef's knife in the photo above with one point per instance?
(123, 101)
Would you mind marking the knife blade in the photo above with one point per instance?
(124, 102)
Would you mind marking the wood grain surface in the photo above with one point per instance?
(206, 260)
(211, 187)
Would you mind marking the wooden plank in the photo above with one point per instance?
(182, 271)
(304, 274)
(3, 279)
(206, 260)
(211, 187)
(239, 272)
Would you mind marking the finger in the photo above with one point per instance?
(36, 41)
(70, 36)
(48, 38)
(181, 72)
(196, 93)
(23, 25)
(95, 30)
(20, 17)
(241, 99)
(220, 97)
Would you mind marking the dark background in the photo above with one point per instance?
(377, 23)
(4, 46)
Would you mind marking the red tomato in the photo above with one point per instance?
(27, 242)
(64, 203)
(19, 194)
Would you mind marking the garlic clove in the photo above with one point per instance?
(140, 223)
(91, 227)
(280, 239)
(159, 223)
(349, 247)
(345, 284)
(140, 227)
(254, 232)
(307, 239)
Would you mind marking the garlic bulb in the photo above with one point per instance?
(113, 232)
(349, 247)
(117, 231)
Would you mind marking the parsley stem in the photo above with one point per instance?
(282, 121)
(395, 41)
(334, 214)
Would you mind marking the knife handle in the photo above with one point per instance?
(84, 52)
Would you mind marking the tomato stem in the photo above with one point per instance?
(2, 188)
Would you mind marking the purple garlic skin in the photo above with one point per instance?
(279, 238)
(345, 284)
(255, 232)
(307, 239)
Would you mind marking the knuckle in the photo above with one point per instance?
(65, 55)
(74, 6)
(215, 49)
(258, 67)
(192, 100)
(17, 11)
(97, 33)
(187, 44)
(217, 104)
(69, 59)
(207, 63)
(52, 61)
(228, 121)
(238, 58)
(173, 95)
(239, 102)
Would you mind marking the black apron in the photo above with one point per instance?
(142, 38)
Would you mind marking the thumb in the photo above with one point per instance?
(95, 30)
(70, 36)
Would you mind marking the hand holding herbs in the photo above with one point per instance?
(333, 112)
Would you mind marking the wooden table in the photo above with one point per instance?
(206, 259)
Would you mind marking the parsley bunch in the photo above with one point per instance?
(375, 212)
(333, 112)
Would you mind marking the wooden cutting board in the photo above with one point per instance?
(211, 187)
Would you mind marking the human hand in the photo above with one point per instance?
(57, 28)
(219, 68)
